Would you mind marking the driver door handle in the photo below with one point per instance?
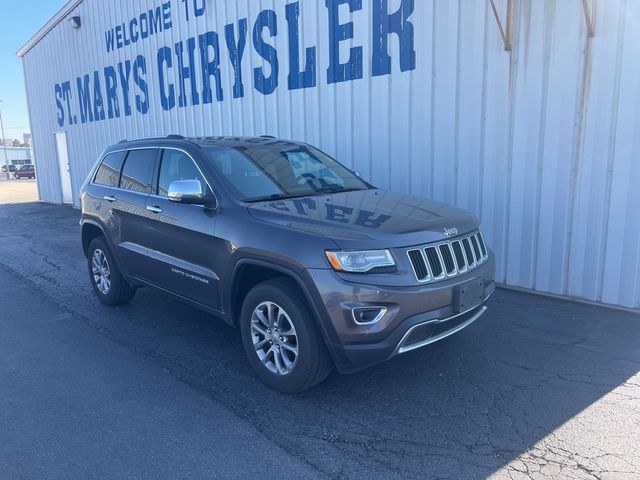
(110, 198)
(154, 209)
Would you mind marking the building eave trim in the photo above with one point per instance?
(55, 20)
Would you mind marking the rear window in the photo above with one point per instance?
(108, 172)
(137, 173)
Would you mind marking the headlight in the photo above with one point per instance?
(360, 261)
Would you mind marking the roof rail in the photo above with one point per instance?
(175, 137)
(267, 136)
(124, 140)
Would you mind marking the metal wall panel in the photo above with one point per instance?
(541, 142)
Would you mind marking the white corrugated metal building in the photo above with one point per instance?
(527, 114)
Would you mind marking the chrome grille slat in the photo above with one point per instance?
(435, 262)
(476, 248)
(483, 246)
(419, 264)
(468, 252)
(446, 254)
(461, 261)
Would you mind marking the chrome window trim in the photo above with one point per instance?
(151, 147)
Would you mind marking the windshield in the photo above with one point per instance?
(264, 172)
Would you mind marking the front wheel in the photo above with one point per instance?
(281, 339)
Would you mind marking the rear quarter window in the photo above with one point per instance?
(108, 172)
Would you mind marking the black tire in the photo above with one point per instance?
(119, 291)
(313, 363)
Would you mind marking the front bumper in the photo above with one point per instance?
(416, 316)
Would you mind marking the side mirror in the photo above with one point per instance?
(190, 192)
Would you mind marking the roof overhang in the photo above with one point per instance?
(57, 18)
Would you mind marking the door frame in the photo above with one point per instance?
(60, 172)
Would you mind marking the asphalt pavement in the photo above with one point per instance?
(538, 388)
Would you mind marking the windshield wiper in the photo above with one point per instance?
(338, 190)
(286, 196)
(277, 196)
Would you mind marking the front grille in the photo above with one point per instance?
(448, 259)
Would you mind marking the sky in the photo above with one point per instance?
(18, 23)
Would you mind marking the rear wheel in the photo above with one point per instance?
(106, 279)
(281, 339)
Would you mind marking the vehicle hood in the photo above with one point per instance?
(368, 218)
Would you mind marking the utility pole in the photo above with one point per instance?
(4, 145)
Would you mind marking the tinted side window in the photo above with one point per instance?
(137, 173)
(108, 172)
(177, 165)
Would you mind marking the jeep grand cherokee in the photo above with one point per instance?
(317, 267)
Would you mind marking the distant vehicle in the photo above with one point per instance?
(11, 168)
(25, 171)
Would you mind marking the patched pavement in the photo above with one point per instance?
(537, 388)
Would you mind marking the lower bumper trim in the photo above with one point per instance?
(406, 345)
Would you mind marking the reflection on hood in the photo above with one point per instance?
(365, 214)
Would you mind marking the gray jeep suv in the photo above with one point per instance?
(316, 267)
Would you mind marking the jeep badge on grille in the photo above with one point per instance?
(450, 231)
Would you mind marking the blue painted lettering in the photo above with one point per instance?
(338, 33)
(298, 79)
(210, 62)
(266, 85)
(111, 88)
(384, 25)
(188, 71)
(167, 91)
(236, 51)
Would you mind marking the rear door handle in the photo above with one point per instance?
(110, 198)
(154, 209)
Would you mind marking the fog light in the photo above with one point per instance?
(368, 315)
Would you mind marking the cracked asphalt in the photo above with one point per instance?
(538, 388)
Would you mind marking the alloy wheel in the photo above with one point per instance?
(274, 338)
(101, 271)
